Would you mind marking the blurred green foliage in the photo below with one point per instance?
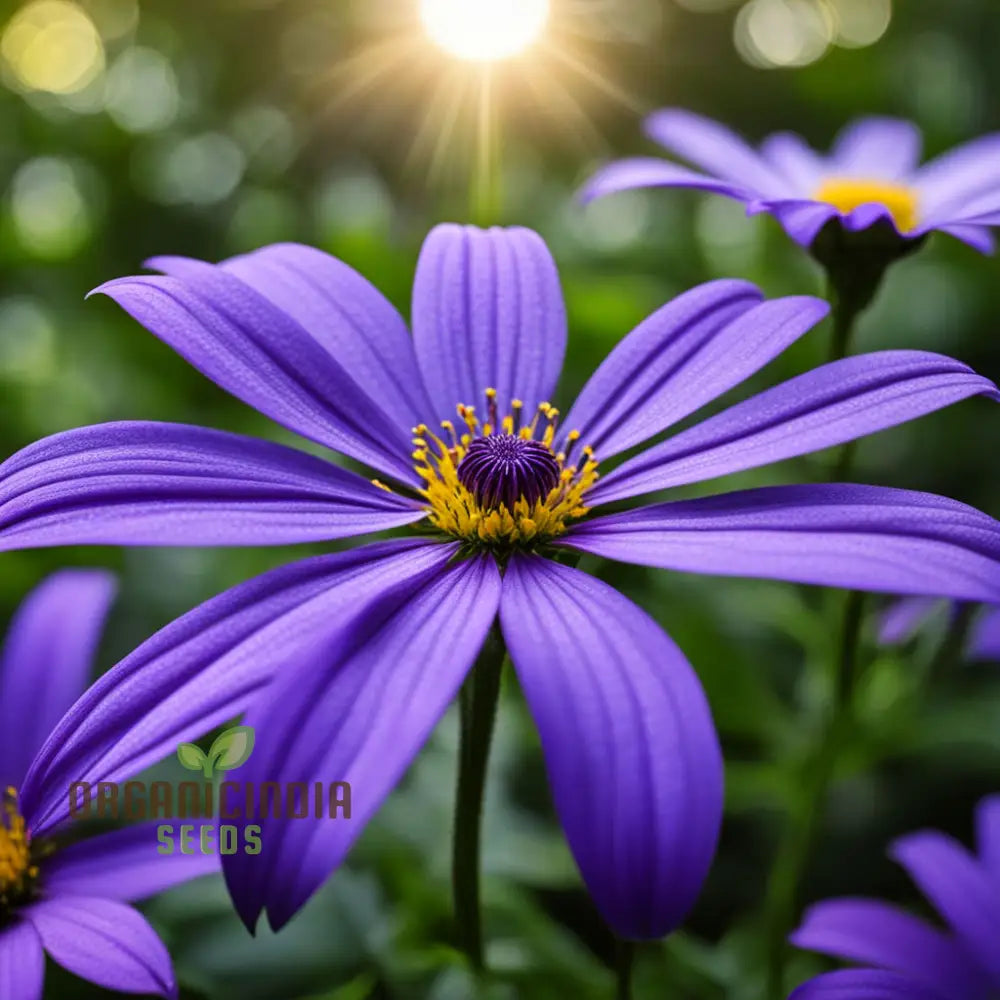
(213, 127)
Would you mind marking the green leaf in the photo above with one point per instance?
(232, 748)
(191, 756)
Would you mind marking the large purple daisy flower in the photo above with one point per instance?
(915, 960)
(375, 642)
(70, 901)
(872, 174)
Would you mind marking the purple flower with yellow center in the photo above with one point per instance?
(872, 175)
(368, 647)
(914, 959)
(69, 899)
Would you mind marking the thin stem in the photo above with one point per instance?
(844, 319)
(952, 647)
(624, 958)
(799, 840)
(477, 711)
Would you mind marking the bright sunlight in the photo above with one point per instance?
(484, 30)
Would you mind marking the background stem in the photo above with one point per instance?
(624, 957)
(799, 841)
(477, 712)
(952, 647)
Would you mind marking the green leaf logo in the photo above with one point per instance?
(191, 757)
(230, 749)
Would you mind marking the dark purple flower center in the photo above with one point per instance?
(503, 468)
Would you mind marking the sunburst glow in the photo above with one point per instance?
(484, 30)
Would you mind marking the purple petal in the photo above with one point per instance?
(837, 402)
(963, 891)
(488, 312)
(865, 984)
(123, 865)
(983, 210)
(205, 668)
(22, 962)
(715, 149)
(795, 160)
(873, 933)
(685, 355)
(867, 215)
(877, 147)
(833, 535)
(169, 484)
(106, 942)
(984, 218)
(630, 748)
(977, 237)
(358, 711)
(344, 312)
(988, 834)
(900, 622)
(984, 643)
(968, 172)
(802, 220)
(648, 172)
(46, 661)
(260, 354)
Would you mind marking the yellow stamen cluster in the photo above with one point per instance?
(454, 510)
(847, 194)
(16, 870)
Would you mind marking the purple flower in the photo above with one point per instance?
(871, 175)
(369, 646)
(69, 901)
(917, 960)
(904, 618)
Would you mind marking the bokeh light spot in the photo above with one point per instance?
(48, 208)
(484, 30)
(862, 22)
(52, 46)
(114, 18)
(142, 94)
(27, 340)
(780, 33)
(200, 170)
(611, 225)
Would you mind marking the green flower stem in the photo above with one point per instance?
(855, 265)
(799, 841)
(949, 653)
(624, 958)
(477, 708)
(844, 314)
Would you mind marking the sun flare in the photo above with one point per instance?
(484, 30)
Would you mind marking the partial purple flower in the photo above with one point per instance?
(69, 901)
(903, 619)
(872, 174)
(367, 648)
(918, 960)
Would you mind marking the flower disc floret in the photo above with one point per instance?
(848, 193)
(17, 872)
(500, 483)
